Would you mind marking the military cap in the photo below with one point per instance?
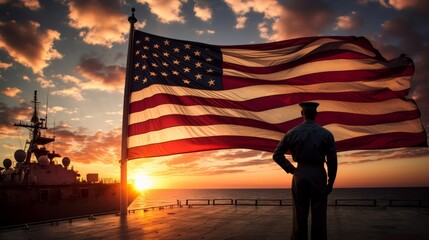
(309, 105)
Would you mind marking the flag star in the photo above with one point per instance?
(176, 62)
(210, 70)
(156, 45)
(137, 64)
(197, 64)
(211, 82)
(186, 69)
(164, 74)
(186, 81)
(154, 65)
(138, 42)
(165, 64)
(166, 54)
(176, 73)
(147, 39)
(187, 46)
(176, 49)
(197, 53)
(136, 78)
(137, 52)
(198, 76)
(155, 55)
(145, 47)
(153, 74)
(144, 67)
(187, 58)
(166, 42)
(144, 56)
(209, 59)
(145, 80)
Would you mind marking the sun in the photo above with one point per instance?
(143, 182)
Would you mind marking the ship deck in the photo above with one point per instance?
(232, 222)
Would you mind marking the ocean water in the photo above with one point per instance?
(160, 197)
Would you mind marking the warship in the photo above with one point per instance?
(38, 189)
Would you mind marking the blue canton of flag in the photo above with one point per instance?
(161, 60)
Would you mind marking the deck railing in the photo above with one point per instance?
(288, 202)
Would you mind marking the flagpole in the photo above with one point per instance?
(124, 146)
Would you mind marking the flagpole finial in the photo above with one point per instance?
(132, 19)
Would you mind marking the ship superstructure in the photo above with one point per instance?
(38, 189)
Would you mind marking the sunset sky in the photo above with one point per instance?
(75, 52)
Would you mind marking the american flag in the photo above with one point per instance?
(190, 96)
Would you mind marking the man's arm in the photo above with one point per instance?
(332, 164)
(280, 159)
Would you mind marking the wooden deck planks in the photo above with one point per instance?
(233, 223)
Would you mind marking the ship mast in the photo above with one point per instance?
(34, 127)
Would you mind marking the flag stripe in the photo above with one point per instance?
(340, 131)
(337, 65)
(199, 144)
(231, 82)
(271, 116)
(261, 91)
(269, 102)
(325, 118)
(376, 141)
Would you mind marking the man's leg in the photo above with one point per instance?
(301, 204)
(318, 208)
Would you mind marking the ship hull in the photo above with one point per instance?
(29, 204)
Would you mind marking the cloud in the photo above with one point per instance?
(45, 83)
(56, 109)
(421, 5)
(264, 31)
(11, 92)
(167, 11)
(201, 32)
(348, 22)
(402, 29)
(270, 9)
(5, 65)
(297, 18)
(361, 157)
(215, 162)
(302, 18)
(241, 22)
(140, 25)
(82, 147)
(35, 54)
(99, 22)
(10, 115)
(68, 79)
(73, 92)
(31, 4)
(100, 76)
(203, 13)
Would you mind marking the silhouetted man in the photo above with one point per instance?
(311, 146)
